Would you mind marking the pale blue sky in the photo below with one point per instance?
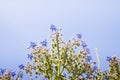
(22, 21)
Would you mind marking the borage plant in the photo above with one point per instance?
(63, 61)
(60, 61)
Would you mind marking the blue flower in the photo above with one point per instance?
(108, 58)
(79, 36)
(32, 45)
(30, 56)
(106, 78)
(95, 68)
(2, 71)
(84, 44)
(21, 75)
(44, 43)
(89, 58)
(36, 76)
(64, 74)
(21, 66)
(13, 74)
(53, 27)
(88, 50)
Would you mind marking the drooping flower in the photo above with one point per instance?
(21, 66)
(84, 45)
(106, 78)
(44, 43)
(108, 59)
(21, 75)
(36, 76)
(32, 45)
(94, 67)
(53, 27)
(87, 50)
(12, 74)
(2, 71)
(89, 58)
(79, 36)
(30, 56)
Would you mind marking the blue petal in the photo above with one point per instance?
(65, 75)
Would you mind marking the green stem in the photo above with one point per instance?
(57, 36)
(98, 60)
(58, 69)
(49, 63)
(57, 46)
(64, 61)
(50, 76)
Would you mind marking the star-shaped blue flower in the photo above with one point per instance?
(108, 59)
(87, 50)
(12, 74)
(89, 58)
(79, 36)
(32, 45)
(44, 43)
(84, 45)
(95, 68)
(21, 66)
(21, 75)
(53, 27)
(30, 56)
(2, 71)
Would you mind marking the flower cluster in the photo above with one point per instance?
(10, 75)
(114, 71)
(63, 61)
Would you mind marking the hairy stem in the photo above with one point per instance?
(57, 40)
(98, 60)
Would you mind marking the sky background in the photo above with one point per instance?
(23, 21)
